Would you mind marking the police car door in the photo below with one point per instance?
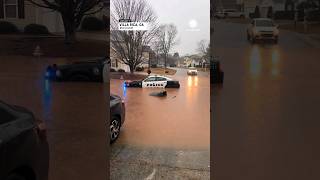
(162, 82)
(149, 82)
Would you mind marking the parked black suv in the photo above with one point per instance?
(216, 73)
(24, 150)
(117, 116)
(91, 70)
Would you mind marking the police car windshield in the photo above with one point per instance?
(264, 23)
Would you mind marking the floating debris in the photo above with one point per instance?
(159, 94)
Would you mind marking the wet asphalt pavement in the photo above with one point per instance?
(164, 137)
(266, 114)
(74, 113)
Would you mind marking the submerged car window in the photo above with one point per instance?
(5, 116)
(150, 79)
(161, 79)
(264, 23)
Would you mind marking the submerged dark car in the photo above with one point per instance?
(24, 150)
(117, 116)
(91, 70)
(216, 73)
(154, 81)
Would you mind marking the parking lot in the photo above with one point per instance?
(74, 114)
(168, 136)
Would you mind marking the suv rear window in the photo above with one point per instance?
(5, 116)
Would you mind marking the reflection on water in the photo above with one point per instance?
(275, 61)
(124, 91)
(196, 81)
(255, 62)
(47, 98)
(189, 81)
(192, 81)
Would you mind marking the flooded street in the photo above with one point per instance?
(165, 135)
(265, 116)
(182, 119)
(73, 112)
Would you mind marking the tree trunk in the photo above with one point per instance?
(131, 69)
(69, 30)
(70, 37)
(165, 61)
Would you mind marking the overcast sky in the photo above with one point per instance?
(181, 12)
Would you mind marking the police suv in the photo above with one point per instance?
(154, 81)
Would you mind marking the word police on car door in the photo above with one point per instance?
(155, 82)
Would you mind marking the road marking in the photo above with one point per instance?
(151, 176)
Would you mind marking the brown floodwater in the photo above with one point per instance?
(179, 120)
(75, 115)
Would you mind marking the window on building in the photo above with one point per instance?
(10, 8)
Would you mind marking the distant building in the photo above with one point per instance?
(192, 60)
(249, 6)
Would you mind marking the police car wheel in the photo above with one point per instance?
(114, 128)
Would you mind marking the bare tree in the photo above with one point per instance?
(167, 39)
(129, 45)
(202, 47)
(155, 45)
(72, 12)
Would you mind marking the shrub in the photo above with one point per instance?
(313, 16)
(154, 66)
(285, 15)
(36, 29)
(121, 70)
(166, 71)
(251, 15)
(7, 27)
(139, 68)
(149, 71)
(92, 24)
(112, 70)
